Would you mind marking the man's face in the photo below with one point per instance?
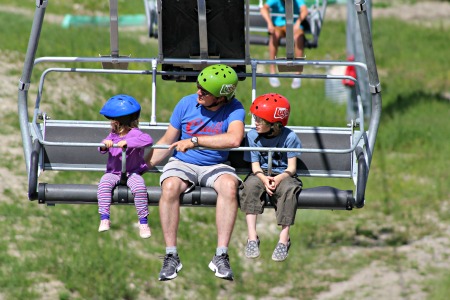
(205, 98)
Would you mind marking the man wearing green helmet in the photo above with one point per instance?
(211, 118)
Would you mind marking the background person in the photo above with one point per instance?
(276, 26)
(210, 118)
(271, 113)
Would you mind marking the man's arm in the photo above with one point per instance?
(155, 156)
(231, 139)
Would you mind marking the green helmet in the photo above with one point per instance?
(219, 80)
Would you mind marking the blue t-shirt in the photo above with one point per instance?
(286, 139)
(195, 120)
(277, 7)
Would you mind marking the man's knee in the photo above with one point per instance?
(172, 187)
(226, 184)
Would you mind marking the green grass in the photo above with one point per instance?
(408, 184)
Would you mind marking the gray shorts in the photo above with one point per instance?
(196, 175)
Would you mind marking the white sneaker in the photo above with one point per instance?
(296, 83)
(104, 225)
(274, 82)
(144, 231)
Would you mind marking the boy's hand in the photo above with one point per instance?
(270, 185)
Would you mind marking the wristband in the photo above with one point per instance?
(258, 172)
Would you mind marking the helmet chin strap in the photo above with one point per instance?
(218, 102)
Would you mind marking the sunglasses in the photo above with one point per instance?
(260, 120)
(203, 92)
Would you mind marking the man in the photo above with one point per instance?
(273, 12)
(211, 118)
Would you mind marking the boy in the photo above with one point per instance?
(271, 113)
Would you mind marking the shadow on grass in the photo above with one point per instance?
(404, 102)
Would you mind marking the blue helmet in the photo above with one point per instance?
(120, 106)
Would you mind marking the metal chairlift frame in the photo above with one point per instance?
(256, 24)
(36, 142)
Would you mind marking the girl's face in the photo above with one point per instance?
(115, 126)
(262, 126)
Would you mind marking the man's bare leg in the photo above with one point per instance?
(169, 208)
(226, 208)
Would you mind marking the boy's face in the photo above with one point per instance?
(262, 126)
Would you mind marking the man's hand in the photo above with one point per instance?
(183, 145)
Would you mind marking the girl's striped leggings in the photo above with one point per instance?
(137, 185)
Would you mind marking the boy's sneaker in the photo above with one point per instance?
(296, 83)
(144, 231)
(274, 82)
(252, 249)
(171, 266)
(281, 251)
(220, 264)
(104, 225)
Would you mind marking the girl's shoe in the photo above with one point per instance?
(104, 225)
(144, 231)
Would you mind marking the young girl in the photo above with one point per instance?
(123, 111)
(271, 114)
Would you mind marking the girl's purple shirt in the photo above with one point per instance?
(136, 143)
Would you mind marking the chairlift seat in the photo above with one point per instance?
(75, 158)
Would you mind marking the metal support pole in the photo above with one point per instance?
(355, 49)
(373, 81)
(114, 28)
(24, 82)
(202, 29)
(290, 53)
(153, 116)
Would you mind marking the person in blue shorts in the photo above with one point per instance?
(277, 181)
(273, 12)
(211, 118)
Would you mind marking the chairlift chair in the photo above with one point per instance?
(312, 25)
(52, 144)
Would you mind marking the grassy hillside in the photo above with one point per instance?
(397, 247)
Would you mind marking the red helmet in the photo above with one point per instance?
(272, 108)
